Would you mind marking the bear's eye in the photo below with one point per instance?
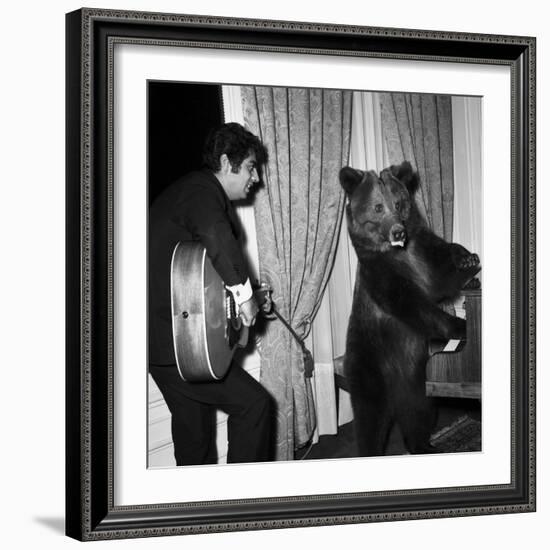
(398, 205)
(378, 208)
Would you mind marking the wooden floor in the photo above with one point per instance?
(342, 445)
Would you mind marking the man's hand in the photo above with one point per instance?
(267, 306)
(264, 299)
(248, 311)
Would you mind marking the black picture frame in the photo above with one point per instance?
(90, 511)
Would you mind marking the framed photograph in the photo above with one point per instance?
(376, 187)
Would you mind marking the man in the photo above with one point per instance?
(197, 207)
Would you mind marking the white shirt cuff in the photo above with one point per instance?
(241, 293)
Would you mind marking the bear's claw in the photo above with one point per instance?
(468, 262)
(464, 261)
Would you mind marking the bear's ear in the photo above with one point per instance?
(405, 173)
(350, 178)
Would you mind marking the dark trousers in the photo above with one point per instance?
(193, 406)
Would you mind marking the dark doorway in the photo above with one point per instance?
(179, 117)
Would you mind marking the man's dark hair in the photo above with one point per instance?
(237, 143)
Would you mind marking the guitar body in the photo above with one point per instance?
(205, 325)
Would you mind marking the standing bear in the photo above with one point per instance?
(404, 272)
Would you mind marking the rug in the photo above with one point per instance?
(463, 435)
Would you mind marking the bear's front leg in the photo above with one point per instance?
(447, 327)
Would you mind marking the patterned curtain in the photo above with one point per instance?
(298, 215)
(418, 128)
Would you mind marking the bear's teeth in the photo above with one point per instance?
(398, 243)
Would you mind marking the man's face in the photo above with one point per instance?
(239, 184)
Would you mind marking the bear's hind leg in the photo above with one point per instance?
(372, 422)
(417, 418)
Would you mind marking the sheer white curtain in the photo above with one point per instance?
(468, 171)
(328, 335)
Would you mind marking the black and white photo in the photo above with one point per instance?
(406, 358)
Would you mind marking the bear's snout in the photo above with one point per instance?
(398, 235)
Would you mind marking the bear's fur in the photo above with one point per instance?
(404, 272)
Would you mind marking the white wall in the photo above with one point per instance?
(32, 300)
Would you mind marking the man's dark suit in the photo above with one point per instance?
(194, 208)
(197, 208)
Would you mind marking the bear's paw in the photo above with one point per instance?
(464, 260)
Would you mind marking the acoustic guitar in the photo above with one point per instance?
(205, 323)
